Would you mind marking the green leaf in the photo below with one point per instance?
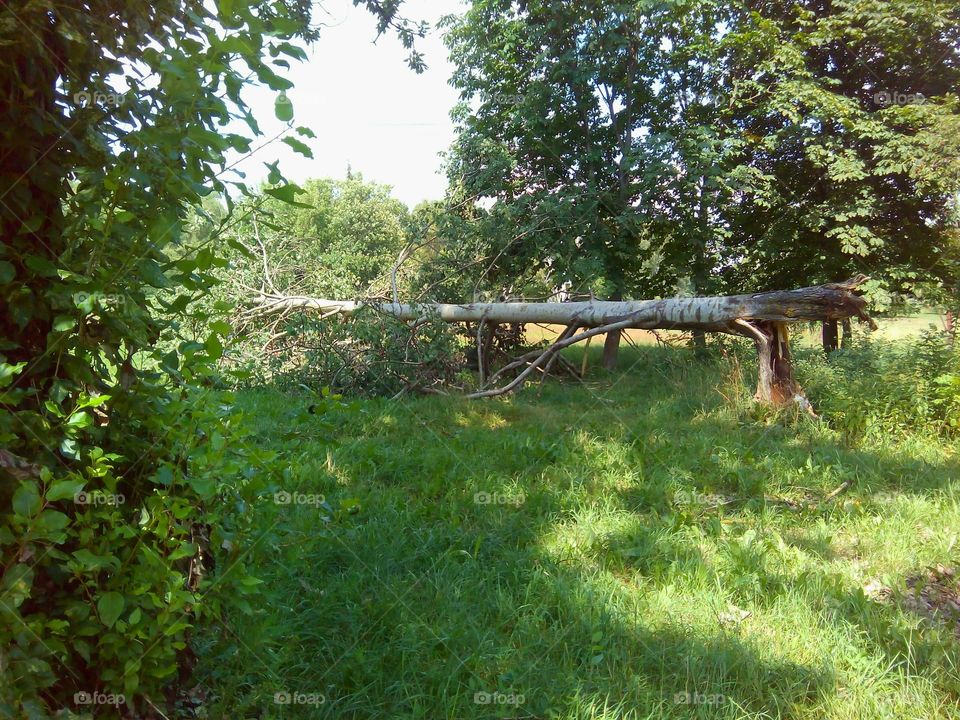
(16, 584)
(213, 347)
(9, 372)
(7, 272)
(79, 420)
(64, 490)
(26, 500)
(41, 266)
(152, 273)
(288, 194)
(186, 549)
(203, 485)
(298, 146)
(275, 177)
(164, 476)
(92, 401)
(64, 322)
(109, 607)
(283, 108)
(91, 561)
(221, 327)
(70, 448)
(171, 361)
(32, 224)
(49, 525)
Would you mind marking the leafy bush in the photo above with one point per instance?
(369, 354)
(883, 387)
(110, 557)
(121, 469)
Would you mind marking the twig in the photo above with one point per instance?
(393, 272)
(586, 357)
(837, 490)
(263, 252)
(549, 352)
(567, 332)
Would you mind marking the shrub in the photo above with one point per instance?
(881, 387)
(368, 354)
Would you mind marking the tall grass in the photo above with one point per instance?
(645, 544)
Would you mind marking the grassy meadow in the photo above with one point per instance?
(645, 544)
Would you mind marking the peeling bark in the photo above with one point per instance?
(713, 314)
(776, 385)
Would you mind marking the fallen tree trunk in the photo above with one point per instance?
(717, 314)
(763, 317)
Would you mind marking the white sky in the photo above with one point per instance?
(364, 104)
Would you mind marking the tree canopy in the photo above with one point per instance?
(657, 148)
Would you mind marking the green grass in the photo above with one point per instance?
(652, 547)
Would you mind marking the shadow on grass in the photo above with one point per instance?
(475, 555)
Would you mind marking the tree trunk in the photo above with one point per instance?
(847, 333)
(611, 345)
(611, 350)
(699, 343)
(831, 336)
(487, 355)
(763, 317)
(712, 314)
(776, 385)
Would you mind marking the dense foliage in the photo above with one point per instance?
(122, 470)
(339, 239)
(657, 148)
(606, 148)
(874, 389)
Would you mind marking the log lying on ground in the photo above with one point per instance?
(763, 317)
